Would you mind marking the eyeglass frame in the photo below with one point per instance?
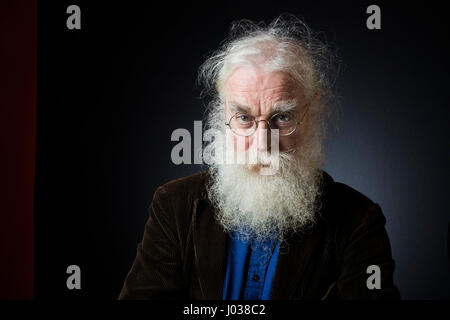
(268, 123)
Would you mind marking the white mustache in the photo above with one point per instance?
(265, 158)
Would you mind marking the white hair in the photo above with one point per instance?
(262, 206)
(286, 44)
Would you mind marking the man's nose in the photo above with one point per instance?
(263, 136)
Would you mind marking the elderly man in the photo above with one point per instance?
(273, 226)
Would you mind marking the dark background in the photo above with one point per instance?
(110, 95)
(17, 146)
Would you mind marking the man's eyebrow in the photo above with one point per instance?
(236, 107)
(280, 106)
(285, 106)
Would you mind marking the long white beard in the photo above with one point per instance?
(260, 206)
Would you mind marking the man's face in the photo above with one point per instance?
(247, 197)
(259, 93)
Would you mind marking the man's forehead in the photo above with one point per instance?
(253, 80)
(249, 90)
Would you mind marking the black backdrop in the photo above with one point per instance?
(110, 95)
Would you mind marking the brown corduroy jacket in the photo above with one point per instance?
(183, 251)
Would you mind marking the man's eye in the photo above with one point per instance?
(284, 117)
(243, 118)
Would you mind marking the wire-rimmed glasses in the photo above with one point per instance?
(245, 125)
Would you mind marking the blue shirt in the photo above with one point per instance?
(250, 269)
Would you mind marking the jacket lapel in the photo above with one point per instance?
(296, 252)
(294, 255)
(210, 250)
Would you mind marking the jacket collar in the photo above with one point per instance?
(210, 250)
(210, 253)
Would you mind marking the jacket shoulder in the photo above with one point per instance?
(347, 197)
(189, 187)
(173, 201)
(347, 208)
(178, 196)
